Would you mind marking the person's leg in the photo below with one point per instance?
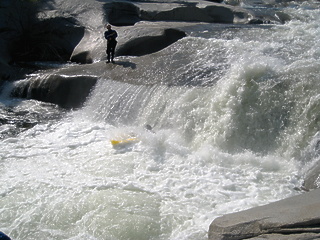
(113, 51)
(108, 52)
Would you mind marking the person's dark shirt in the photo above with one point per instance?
(110, 35)
(4, 237)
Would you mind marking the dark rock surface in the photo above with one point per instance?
(51, 39)
(26, 35)
(66, 91)
(297, 217)
(150, 44)
(214, 13)
(122, 13)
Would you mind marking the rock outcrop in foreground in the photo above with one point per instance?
(295, 218)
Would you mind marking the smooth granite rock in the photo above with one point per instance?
(297, 217)
(150, 44)
(66, 91)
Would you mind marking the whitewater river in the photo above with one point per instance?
(237, 129)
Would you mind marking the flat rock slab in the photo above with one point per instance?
(297, 217)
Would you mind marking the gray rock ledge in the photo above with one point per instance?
(297, 217)
(68, 92)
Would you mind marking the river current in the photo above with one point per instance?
(238, 128)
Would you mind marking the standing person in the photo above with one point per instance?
(111, 36)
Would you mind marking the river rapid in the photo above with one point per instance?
(237, 127)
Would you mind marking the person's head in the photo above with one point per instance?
(108, 26)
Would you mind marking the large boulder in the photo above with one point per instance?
(31, 32)
(52, 39)
(127, 13)
(81, 53)
(66, 91)
(13, 16)
(150, 44)
(297, 217)
(213, 13)
(121, 13)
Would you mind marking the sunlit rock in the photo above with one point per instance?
(297, 217)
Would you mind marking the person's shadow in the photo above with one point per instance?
(126, 64)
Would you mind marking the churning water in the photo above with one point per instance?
(234, 116)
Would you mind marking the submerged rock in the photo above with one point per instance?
(297, 217)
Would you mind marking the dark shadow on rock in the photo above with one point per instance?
(52, 39)
(211, 14)
(16, 16)
(187, 14)
(150, 44)
(82, 57)
(126, 64)
(67, 92)
(121, 13)
(27, 36)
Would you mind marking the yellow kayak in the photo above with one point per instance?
(124, 141)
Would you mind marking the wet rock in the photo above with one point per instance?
(297, 217)
(66, 91)
(312, 178)
(84, 52)
(150, 44)
(82, 57)
(127, 13)
(214, 13)
(283, 17)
